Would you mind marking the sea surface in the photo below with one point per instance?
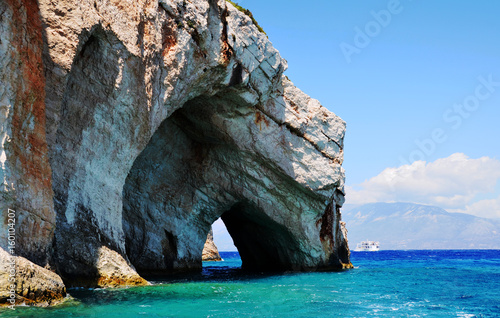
(435, 283)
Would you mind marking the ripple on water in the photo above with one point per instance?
(385, 284)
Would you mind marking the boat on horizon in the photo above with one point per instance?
(367, 246)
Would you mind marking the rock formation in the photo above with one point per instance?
(128, 127)
(210, 251)
(31, 284)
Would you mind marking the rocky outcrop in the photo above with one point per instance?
(22, 282)
(210, 251)
(129, 127)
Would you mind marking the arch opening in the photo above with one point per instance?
(220, 256)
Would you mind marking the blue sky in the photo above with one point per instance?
(396, 90)
(421, 69)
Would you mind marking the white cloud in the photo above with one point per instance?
(451, 183)
(483, 208)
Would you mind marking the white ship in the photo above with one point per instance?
(367, 246)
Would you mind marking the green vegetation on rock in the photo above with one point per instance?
(248, 13)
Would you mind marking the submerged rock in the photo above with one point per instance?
(210, 251)
(128, 128)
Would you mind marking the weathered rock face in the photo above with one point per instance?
(161, 116)
(25, 174)
(210, 251)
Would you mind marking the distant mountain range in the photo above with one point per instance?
(413, 226)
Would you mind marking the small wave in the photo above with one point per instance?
(465, 297)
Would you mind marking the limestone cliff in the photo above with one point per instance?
(210, 251)
(128, 127)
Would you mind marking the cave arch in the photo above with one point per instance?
(149, 146)
(191, 173)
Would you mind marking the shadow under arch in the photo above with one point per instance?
(263, 244)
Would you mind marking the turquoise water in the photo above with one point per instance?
(383, 284)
